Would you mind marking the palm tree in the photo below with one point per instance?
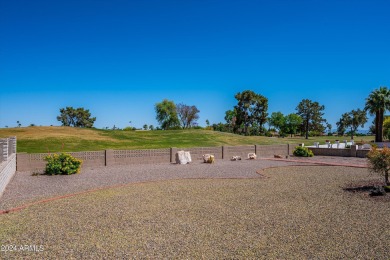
(376, 104)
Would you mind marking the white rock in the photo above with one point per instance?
(183, 157)
(252, 156)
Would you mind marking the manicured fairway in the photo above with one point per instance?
(70, 139)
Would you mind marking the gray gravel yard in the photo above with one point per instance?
(25, 188)
(292, 212)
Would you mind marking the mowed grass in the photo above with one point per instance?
(296, 213)
(70, 139)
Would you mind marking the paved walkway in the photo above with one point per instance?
(26, 189)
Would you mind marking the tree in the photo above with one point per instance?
(187, 115)
(277, 120)
(353, 120)
(145, 127)
(376, 104)
(167, 114)
(78, 117)
(342, 124)
(151, 127)
(19, 124)
(329, 127)
(291, 124)
(311, 114)
(251, 109)
(371, 128)
(207, 123)
(386, 128)
(230, 118)
(379, 162)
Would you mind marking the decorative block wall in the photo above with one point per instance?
(36, 162)
(230, 151)
(7, 161)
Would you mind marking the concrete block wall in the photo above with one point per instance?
(36, 162)
(271, 150)
(331, 152)
(362, 153)
(352, 152)
(124, 157)
(198, 152)
(4, 149)
(7, 171)
(7, 161)
(242, 151)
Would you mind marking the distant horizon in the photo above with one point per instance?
(119, 58)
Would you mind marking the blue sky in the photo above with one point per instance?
(118, 58)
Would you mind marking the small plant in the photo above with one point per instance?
(379, 162)
(63, 164)
(303, 152)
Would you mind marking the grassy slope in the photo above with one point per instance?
(53, 139)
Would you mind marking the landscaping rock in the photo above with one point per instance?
(208, 158)
(183, 157)
(252, 156)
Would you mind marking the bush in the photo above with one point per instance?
(129, 128)
(303, 152)
(63, 164)
(379, 162)
(315, 133)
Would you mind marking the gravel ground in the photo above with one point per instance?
(25, 188)
(333, 160)
(297, 212)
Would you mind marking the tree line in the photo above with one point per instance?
(250, 114)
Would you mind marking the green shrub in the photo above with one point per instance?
(63, 164)
(315, 133)
(129, 128)
(303, 152)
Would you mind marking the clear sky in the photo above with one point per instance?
(119, 57)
